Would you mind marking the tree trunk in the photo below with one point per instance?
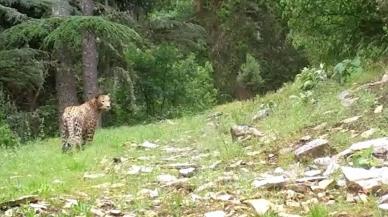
(65, 77)
(89, 57)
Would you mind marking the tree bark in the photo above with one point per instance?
(65, 76)
(89, 57)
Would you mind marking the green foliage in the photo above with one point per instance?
(22, 68)
(7, 137)
(344, 69)
(10, 16)
(310, 77)
(70, 32)
(249, 75)
(335, 29)
(318, 211)
(169, 83)
(364, 158)
(30, 33)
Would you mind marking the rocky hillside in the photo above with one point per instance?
(321, 152)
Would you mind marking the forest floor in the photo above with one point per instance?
(192, 167)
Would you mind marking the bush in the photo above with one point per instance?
(249, 75)
(344, 69)
(310, 77)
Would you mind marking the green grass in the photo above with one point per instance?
(40, 167)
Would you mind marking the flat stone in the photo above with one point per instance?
(378, 109)
(314, 148)
(367, 134)
(244, 132)
(150, 193)
(384, 199)
(19, 201)
(261, 114)
(148, 145)
(97, 212)
(366, 179)
(384, 206)
(218, 213)
(311, 173)
(320, 126)
(261, 206)
(180, 166)
(187, 172)
(270, 182)
(70, 203)
(166, 178)
(351, 120)
(376, 144)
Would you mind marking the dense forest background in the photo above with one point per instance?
(166, 58)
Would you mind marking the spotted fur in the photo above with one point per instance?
(79, 122)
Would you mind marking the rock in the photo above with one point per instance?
(165, 178)
(378, 109)
(70, 203)
(214, 165)
(180, 166)
(376, 144)
(115, 212)
(310, 179)
(311, 173)
(97, 212)
(279, 171)
(350, 198)
(384, 199)
(346, 98)
(368, 133)
(187, 172)
(313, 148)
(324, 184)
(261, 206)
(362, 198)
(351, 120)
(261, 114)
(323, 161)
(331, 168)
(244, 132)
(39, 207)
(149, 193)
(148, 145)
(268, 182)
(287, 215)
(218, 213)
(19, 201)
(383, 207)
(134, 170)
(366, 179)
(93, 175)
(320, 126)
(206, 186)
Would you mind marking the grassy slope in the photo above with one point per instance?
(33, 169)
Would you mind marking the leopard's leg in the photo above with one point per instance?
(65, 136)
(75, 132)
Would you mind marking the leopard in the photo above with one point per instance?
(79, 122)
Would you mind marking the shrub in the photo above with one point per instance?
(310, 77)
(344, 69)
(249, 75)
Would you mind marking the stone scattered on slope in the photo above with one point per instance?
(166, 178)
(351, 120)
(261, 206)
(367, 134)
(134, 170)
(272, 181)
(149, 193)
(311, 173)
(97, 212)
(93, 175)
(320, 126)
(346, 98)
(148, 145)
(376, 144)
(218, 213)
(70, 203)
(366, 179)
(384, 207)
(187, 172)
(244, 132)
(180, 166)
(39, 207)
(19, 201)
(378, 109)
(261, 114)
(313, 148)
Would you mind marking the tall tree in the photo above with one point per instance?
(89, 55)
(65, 76)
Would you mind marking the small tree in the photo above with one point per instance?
(249, 75)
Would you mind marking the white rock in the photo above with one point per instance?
(70, 202)
(351, 120)
(187, 172)
(311, 173)
(368, 133)
(384, 206)
(279, 171)
(166, 178)
(218, 213)
(374, 143)
(148, 145)
(97, 212)
(261, 206)
(270, 182)
(366, 179)
(150, 193)
(384, 199)
(378, 109)
(323, 161)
